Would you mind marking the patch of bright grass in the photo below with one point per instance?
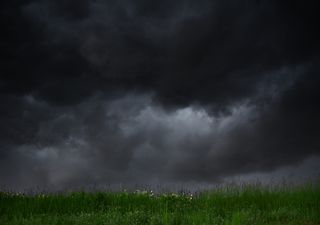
(229, 206)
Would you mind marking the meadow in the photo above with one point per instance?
(233, 205)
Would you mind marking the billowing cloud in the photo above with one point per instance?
(104, 92)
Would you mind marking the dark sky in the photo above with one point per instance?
(126, 92)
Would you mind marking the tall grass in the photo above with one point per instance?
(229, 206)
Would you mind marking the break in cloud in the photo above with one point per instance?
(109, 92)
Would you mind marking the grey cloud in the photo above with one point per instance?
(132, 140)
(132, 91)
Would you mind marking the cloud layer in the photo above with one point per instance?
(97, 92)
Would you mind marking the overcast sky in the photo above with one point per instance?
(108, 92)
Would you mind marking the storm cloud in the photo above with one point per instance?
(108, 92)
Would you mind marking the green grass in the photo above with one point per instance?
(229, 206)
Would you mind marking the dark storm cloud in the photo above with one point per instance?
(169, 48)
(122, 91)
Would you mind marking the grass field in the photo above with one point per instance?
(229, 205)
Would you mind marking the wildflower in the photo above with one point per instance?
(174, 195)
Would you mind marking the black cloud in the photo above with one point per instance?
(74, 74)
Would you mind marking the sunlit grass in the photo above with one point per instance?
(229, 205)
